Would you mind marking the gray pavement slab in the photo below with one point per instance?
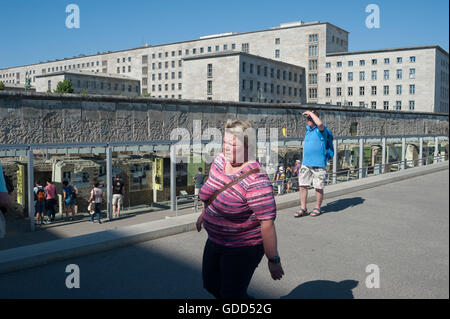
(401, 227)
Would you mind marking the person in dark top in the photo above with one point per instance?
(118, 193)
(199, 180)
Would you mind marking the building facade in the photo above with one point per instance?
(413, 79)
(238, 76)
(90, 83)
(312, 45)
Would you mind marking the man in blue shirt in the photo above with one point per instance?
(313, 169)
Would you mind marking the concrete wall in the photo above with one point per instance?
(29, 118)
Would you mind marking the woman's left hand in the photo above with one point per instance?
(276, 271)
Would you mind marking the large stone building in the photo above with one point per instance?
(90, 83)
(413, 79)
(238, 76)
(310, 45)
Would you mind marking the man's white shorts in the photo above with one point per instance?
(312, 176)
(117, 199)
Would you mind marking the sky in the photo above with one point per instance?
(35, 30)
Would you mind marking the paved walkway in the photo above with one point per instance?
(401, 227)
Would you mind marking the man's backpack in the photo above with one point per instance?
(328, 144)
(40, 195)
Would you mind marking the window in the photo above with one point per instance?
(243, 67)
(179, 86)
(350, 76)
(233, 46)
(386, 61)
(290, 76)
(118, 69)
(361, 75)
(173, 64)
(350, 91)
(217, 48)
(374, 62)
(350, 63)
(362, 62)
(180, 52)
(284, 75)
(327, 92)
(225, 47)
(245, 47)
(411, 105)
(412, 59)
(386, 90)
(399, 74)
(361, 104)
(338, 91)
(386, 74)
(312, 65)
(361, 90)
(209, 70)
(265, 71)
(251, 85)
(251, 68)
(328, 65)
(123, 69)
(374, 90)
(277, 53)
(354, 126)
(339, 64)
(398, 105)
(160, 65)
(399, 60)
(179, 63)
(277, 41)
(312, 78)
(339, 77)
(179, 75)
(386, 105)
(194, 51)
(166, 76)
(313, 50)
(399, 89)
(328, 77)
(243, 84)
(313, 93)
(412, 89)
(209, 89)
(412, 73)
(186, 52)
(278, 74)
(313, 37)
(129, 68)
(272, 72)
(374, 75)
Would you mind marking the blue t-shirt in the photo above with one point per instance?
(314, 147)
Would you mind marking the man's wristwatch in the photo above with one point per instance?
(275, 259)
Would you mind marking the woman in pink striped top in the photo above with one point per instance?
(240, 220)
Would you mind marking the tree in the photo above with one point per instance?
(2, 86)
(64, 87)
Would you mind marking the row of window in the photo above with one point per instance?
(373, 75)
(160, 77)
(108, 86)
(166, 87)
(260, 100)
(373, 105)
(266, 87)
(209, 49)
(338, 40)
(285, 75)
(160, 65)
(373, 91)
(412, 59)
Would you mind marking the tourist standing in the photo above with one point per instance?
(96, 197)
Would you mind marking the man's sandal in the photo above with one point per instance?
(301, 213)
(315, 212)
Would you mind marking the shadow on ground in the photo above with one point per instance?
(342, 204)
(323, 289)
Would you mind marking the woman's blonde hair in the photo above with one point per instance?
(239, 128)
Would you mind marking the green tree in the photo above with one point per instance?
(84, 92)
(2, 86)
(64, 87)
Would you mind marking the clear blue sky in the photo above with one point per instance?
(33, 31)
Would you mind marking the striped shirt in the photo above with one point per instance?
(233, 218)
